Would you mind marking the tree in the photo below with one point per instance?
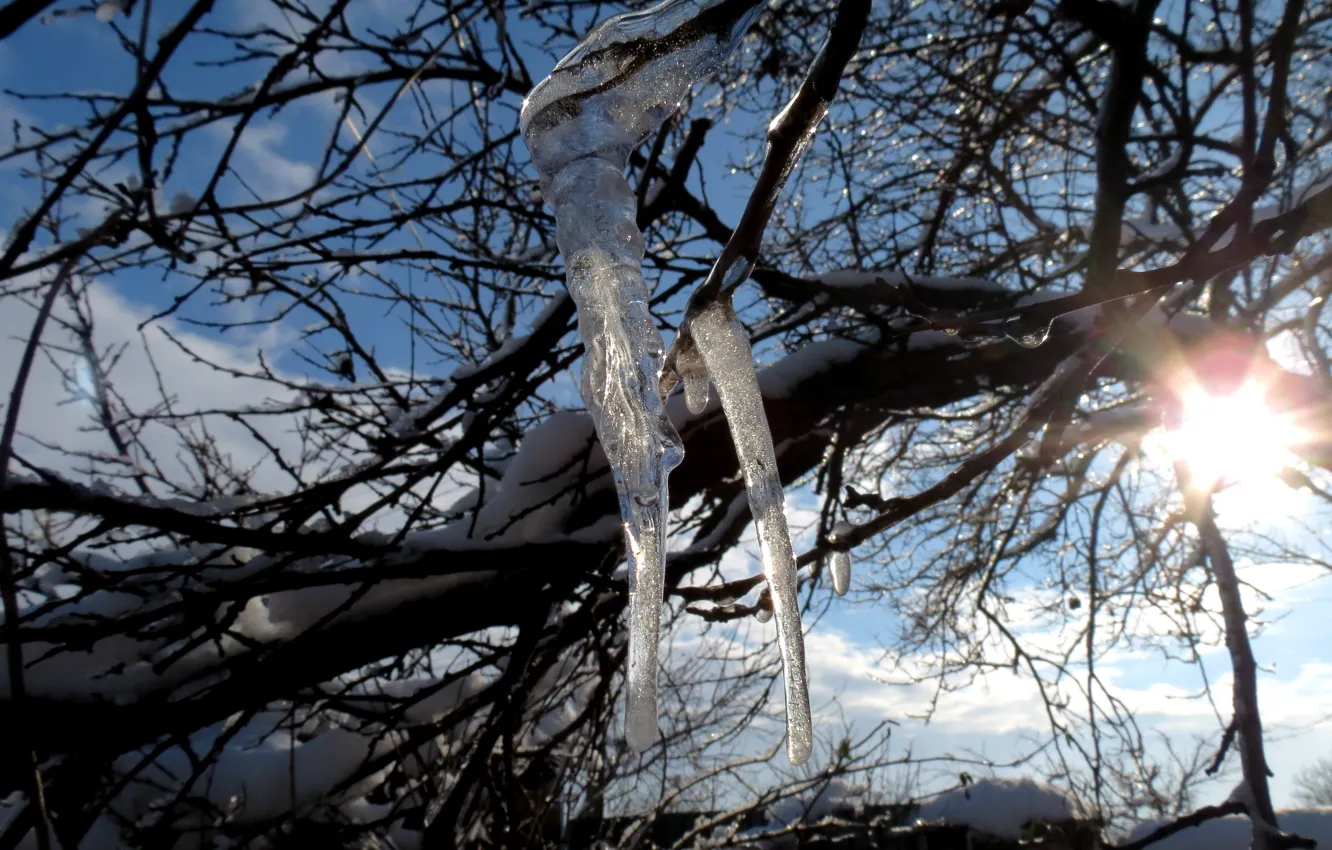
(1315, 784)
(357, 574)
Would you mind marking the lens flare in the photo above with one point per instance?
(1231, 438)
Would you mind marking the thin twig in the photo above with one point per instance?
(1195, 818)
(788, 136)
(8, 580)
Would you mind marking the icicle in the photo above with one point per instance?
(841, 560)
(763, 610)
(580, 124)
(694, 375)
(841, 572)
(725, 348)
(645, 530)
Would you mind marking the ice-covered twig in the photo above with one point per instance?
(714, 335)
(1195, 818)
(788, 136)
(600, 102)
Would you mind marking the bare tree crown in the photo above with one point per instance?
(308, 537)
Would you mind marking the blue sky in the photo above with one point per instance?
(851, 677)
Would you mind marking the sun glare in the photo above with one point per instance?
(1230, 439)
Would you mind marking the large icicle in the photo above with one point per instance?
(580, 123)
(724, 344)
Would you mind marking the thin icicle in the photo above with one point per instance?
(841, 560)
(645, 530)
(725, 348)
(694, 375)
(763, 610)
(580, 124)
(841, 572)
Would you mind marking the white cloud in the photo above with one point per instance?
(1001, 713)
(997, 701)
(52, 415)
(263, 165)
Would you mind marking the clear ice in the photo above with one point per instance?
(841, 560)
(600, 102)
(724, 344)
(694, 375)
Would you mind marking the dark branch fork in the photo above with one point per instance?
(787, 137)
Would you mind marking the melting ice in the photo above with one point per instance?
(724, 345)
(580, 124)
(841, 560)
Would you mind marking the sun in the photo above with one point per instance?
(1229, 438)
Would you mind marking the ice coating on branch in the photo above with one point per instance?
(841, 560)
(580, 124)
(625, 78)
(724, 344)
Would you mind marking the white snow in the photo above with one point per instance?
(782, 378)
(405, 422)
(654, 189)
(998, 807)
(831, 797)
(255, 784)
(181, 202)
(106, 11)
(855, 278)
(1166, 166)
(1312, 189)
(199, 507)
(1121, 421)
(422, 700)
(510, 345)
(1050, 385)
(1234, 833)
(123, 668)
(826, 799)
(722, 341)
(537, 492)
(580, 124)
(262, 772)
(1134, 229)
(531, 503)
